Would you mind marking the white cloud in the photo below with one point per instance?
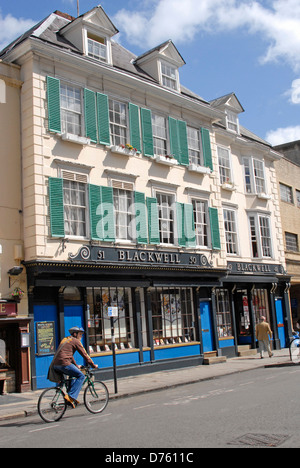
(278, 24)
(283, 135)
(11, 28)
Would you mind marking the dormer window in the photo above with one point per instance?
(169, 76)
(97, 47)
(232, 121)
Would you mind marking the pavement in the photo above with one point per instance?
(16, 405)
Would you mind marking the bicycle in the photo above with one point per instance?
(52, 404)
(295, 348)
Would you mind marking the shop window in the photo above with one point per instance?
(99, 323)
(172, 316)
(224, 320)
(260, 304)
(7, 347)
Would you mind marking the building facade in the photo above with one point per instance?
(14, 322)
(288, 173)
(149, 214)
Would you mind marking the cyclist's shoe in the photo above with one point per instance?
(70, 401)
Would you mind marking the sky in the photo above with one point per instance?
(249, 47)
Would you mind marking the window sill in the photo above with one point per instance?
(263, 196)
(166, 161)
(230, 187)
(75, 139)
(199, 169)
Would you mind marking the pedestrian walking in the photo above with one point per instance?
(263, 335)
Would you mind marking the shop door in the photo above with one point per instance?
(280, 321)
(74, 317)
(45, 325)
(206, 325)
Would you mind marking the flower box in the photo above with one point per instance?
(167, 160)
(123, 149)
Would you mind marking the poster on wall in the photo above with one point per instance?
(45, 338)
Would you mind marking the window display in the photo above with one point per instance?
(172, 316)
(224, 320)
(99, 322)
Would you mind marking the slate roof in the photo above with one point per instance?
(49, 30)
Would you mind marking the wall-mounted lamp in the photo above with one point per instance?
(14, 271)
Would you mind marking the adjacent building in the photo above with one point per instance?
(148, 213)
(288, 175)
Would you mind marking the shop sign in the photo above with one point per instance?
(8, 309)
(256, 268)
(106, 255)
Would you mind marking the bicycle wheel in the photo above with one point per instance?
(295, 351)
(96, 397)
(52, 405)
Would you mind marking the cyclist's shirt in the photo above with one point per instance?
(65, 354)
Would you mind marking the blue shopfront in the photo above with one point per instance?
(158, 299)
(169, 311)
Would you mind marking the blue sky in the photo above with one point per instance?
(249, 47)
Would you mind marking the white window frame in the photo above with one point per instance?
(225, 170)
(92, 36)
(74, 183)
(166, 217)
(231, 231)
(71, 106)
(123, 197)
(160, 135)
(201, 220)
(232, 122)
(169, 76)
(252, 179)
(195, 146)
(256, 232)
(117, 122)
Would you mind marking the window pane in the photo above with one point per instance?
(200, 219)
(99, 326)
(230, 231)
(224, 165)
(224, 320)
(75, 208)
(172, 316)
(166, 218)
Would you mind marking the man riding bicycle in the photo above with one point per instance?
(64, 362)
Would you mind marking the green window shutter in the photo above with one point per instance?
(90, 115)
(102, 213)
(134, 123)
(95, 201)
(214, 226)
(146, 120)
(189, 225)
(183, 143)
(174, 140)
(153, 225)
(180, 224)
(108, 221)
(56, 203)
(103, 119)
(141, 218)
(207, 156)
(53, 97)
